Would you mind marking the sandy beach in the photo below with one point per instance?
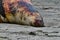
(50, 11)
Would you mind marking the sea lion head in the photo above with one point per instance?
(34, 19)
(38, 20)
(22, 12)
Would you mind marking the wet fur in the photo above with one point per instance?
(21, 14)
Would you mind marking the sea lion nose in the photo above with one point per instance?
(39, 23)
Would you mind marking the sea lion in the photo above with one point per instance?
(20, 12)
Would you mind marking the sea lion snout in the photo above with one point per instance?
(39, 23)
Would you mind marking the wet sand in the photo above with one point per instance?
(50, 11)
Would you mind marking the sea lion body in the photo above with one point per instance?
(21, 12)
